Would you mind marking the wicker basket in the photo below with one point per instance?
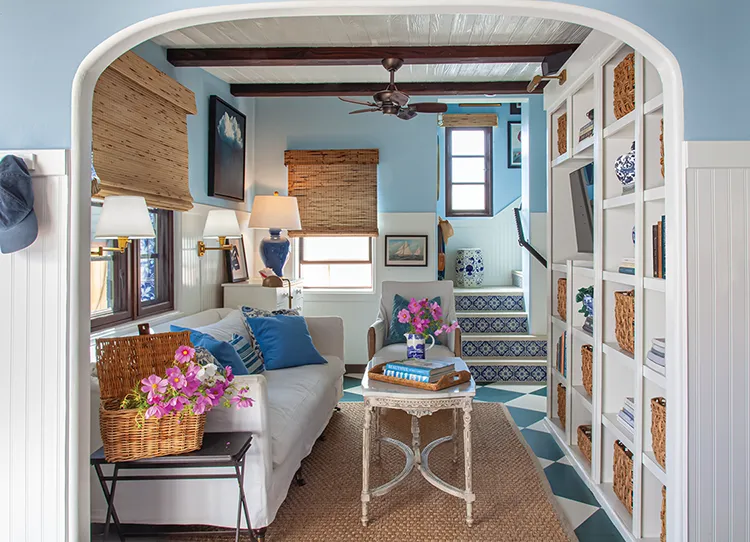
(562, 133)
(663, 537)
(624, 86)
(561, 403)
(625, 320)
(622, 483)
(562, 298)
(584, 441)
(661, 145)
(587, 368)
(121, 363)
(659, 429)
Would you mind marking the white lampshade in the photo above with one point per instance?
(221, 224)
(124, 216)
(275, 212)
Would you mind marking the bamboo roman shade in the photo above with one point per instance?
(468, 120)
(337, 191)
(140, 139)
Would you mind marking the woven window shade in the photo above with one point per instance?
(140, 139)
(337, 191)
(468, 120)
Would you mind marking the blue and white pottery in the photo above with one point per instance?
(274, 251)
(625, 166)
(588, 305)
(469, 267)
(416, 345)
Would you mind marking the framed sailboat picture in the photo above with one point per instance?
(406, 251)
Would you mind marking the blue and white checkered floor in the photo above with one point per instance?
(527, 404)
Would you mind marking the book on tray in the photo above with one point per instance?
(430, 379)
(421, 368)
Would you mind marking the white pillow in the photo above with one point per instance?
(232, 323)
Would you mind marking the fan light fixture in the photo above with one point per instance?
(561, 78)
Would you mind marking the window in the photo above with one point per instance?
(468, 171)
(137, 283)
(336, 262)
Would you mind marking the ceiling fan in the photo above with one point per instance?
(392, 101)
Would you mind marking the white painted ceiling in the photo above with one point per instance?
(400, 30)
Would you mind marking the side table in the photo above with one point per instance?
(219, 450)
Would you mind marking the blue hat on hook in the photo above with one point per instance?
(18, 225)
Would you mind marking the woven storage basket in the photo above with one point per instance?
(622, 479)
(121, 363)
(584, 441)
(562, 298)
(561, 403)
(659, 429)
(624, 86)
(663, 537)
(562, 133)
(625, 320)
(587, 368)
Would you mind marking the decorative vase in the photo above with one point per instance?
(469, 267)
(274, 251)
(416, 345)
(588, 305)
(625, 166)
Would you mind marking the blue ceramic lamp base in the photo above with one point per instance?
(274, 251)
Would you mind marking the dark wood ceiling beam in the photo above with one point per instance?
(442, 88)
(358, 56)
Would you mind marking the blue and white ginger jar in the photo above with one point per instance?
(625, 166)
(469, 267)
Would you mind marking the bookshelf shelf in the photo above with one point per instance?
(649, 461)
(609, 421)
(613, 351)
(653, 105)
(557, 321)
(586, 272)
(585, 399)
(559, 267)
(621, 127)
(657, 378)
(654, 194)
(657, 285)
(619, 278)
(583, 146)
(619, 201)
(582, 335)
(559, 376)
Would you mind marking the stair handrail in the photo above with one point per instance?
(522, 239)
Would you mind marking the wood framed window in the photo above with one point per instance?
(137, 283)
(468, 171)
(336, 262)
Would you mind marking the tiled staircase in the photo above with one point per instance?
(496, 343)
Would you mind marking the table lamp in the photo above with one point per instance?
(123, 218)
(275, 213)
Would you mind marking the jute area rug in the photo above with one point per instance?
(514, 501)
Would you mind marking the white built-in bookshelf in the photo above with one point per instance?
(616, 374)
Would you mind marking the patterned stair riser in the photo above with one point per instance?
(490, 302)
(500, 348)
(509, 373)
(493, 324)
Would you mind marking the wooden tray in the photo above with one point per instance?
(446, 381)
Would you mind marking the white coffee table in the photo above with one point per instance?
(417, 403)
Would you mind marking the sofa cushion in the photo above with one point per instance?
(223, 330)
(398, 352)
(285, 342)
(248, 356)
(292, 393)
(252, 312)
(224, 352)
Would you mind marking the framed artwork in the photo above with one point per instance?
(226, 151)
(236, 260)
(406, 251)
(515, 109)
(514, 144)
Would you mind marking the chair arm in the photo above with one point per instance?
(457, 343)
(375, 338)
(327, 333)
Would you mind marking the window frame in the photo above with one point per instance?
(488, 173)
(127, 269)
(371, 261)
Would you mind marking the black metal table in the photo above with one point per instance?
(219, 450)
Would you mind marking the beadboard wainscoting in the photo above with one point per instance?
(33, 345)
(496, 237)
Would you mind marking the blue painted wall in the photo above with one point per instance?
(536, 118)
(42, 43)
(203, 84)
(407, 173)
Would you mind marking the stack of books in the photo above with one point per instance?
(587, 130)
(659, 251)
(419, 370)
(655, 358)
(626, 417)
(627, 266)
(561, 357)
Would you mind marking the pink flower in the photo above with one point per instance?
(215, 393)
(453, 326)
(176, 378)
(202, 404)
(155, 411)
(153, 385)
(241, 400)
(414, 306)
(183, 354)
(424, 302)
(403, 316)
(176, 404)
(436, 311)
(438, 331)
(228, 373)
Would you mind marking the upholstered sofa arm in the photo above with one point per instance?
(327, 333)
(375, 338)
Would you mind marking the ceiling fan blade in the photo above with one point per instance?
(429, 107)
(363, 110)
(406, 113)
(369, 104)
(399, 98)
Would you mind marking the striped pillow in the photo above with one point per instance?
(248, 355)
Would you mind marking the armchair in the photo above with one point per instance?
(378, 332)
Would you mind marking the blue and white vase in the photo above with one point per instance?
(625, 166)
(469, 267)
(416, 345)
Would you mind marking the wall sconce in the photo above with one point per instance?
(561, 78)
(123, 218)
(221, 225)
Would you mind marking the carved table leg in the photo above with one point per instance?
(366, 461)
(467, 463)
(415, 444)
(377, 433)
(454, 435)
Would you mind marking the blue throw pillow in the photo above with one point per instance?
(224, 352)
(285, 342)
(249, 357)
(252, 312)
(397, 329)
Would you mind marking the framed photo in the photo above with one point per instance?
(406, 251)
(236, 260)
(515, 109)
(226, 151)
(514, 144)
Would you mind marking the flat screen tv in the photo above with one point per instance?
(582, 194)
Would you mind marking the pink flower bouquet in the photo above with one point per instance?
(425, 318)
(187, 388)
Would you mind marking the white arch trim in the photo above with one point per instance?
(78, 508)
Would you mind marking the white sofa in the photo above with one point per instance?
(292, 408)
